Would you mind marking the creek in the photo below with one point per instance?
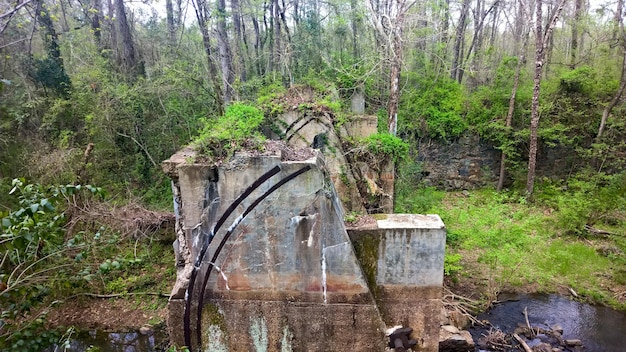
(600, 329)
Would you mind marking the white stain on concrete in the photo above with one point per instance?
(258, 334)
(324, 273)
(216, 340)
(285, 342)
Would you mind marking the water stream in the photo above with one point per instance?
(600, 329)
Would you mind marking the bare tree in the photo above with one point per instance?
(542, 38)
(389, 23)
(202, 15)
(476, 42)
(226, 58)
(520, 63)
(457, 51)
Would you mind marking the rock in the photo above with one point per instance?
(459, 320)
(146, 330)
(460, 341)
(542, 347)
(573, 342)
(445, 317)
(451, 329)
(557, 328)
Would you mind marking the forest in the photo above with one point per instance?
(95, 94)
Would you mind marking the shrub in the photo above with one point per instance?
(387, 145)
(434, 109)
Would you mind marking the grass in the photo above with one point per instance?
(506, 243)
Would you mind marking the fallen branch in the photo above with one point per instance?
(522, 343)
(595, 231)
(532, 332)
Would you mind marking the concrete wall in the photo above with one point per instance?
(289, 278)
(361, 184)
(402, 257)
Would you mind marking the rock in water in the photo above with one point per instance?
(453, 340)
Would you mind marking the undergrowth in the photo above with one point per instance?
(54, 248)
(570, 237)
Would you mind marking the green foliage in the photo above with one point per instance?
(268, 95)
(51, 74)
(452, 264)
(516, 242)
(579, 80)
(412, 196)
(35, 260)
(382, 118)
(432, 109)
(586, 199)
(239, 125)
(388, 145)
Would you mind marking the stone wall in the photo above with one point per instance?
(470, 163)
(466, 163)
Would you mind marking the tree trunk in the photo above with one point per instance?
(96, 25)
(257, 46)
(607, 110)
(575, 24)
(202, 17)
(541, 40)
(55, 76)
(64, 26)
(534, 119)
(509, 115)
(442, 55)
(239, 39)
(112, 30)
(277, 31)
(460, 34)
(354, 24)
(171, 27)
(494, 25)
(129, 62)
(477, 38)
(394, 84)
(388, 22)
(271, 34)
(226, 62)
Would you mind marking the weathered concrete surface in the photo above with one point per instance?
(290, 259)
(402, 257)
(289, 277)
(361, 184)
(256, 325)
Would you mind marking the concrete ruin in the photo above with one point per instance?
(265, 262)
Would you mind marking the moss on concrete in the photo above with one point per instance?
(366, 250)
(380, 216)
